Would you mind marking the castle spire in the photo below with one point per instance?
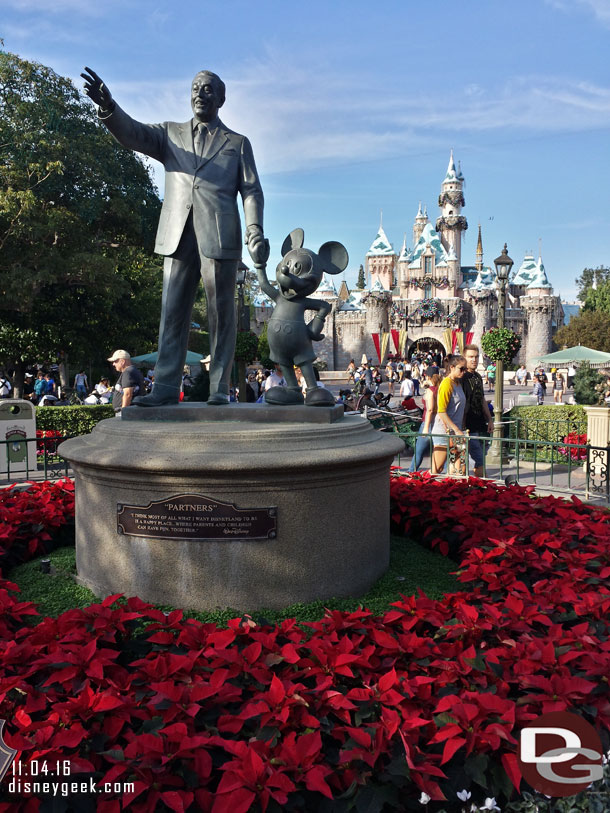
(479, 260)
(451, 173)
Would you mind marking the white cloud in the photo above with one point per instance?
(599, 8)
(302, 119)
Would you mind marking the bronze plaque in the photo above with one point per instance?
(192, 516)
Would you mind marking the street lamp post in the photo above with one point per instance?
(243, 325)
(503, 265)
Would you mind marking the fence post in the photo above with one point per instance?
(598, 435)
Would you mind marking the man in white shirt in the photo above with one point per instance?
(407, 388)
(276, 379)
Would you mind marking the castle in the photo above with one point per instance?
(424, 299)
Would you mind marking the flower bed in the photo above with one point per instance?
(364, 710)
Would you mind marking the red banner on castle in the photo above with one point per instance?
(396, 339)
(377, 345)
(469, 337)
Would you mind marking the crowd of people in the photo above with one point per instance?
(454, 401)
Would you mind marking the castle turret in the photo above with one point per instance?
(479, 261)
(381, 261)
(451, 224)
(421, 218)
(540, 307)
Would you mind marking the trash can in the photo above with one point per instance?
(17, 425)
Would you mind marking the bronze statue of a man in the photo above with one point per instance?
(206, 166)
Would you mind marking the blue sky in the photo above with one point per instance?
(353, 107)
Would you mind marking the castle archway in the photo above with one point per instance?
(425, 345)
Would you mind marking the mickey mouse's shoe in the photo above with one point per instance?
(318, 396)
(284, 396)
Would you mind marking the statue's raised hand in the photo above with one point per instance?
(96, 90)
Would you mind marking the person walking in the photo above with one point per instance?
(415, 375)
(539, 390)
(451, 403)
(422, 443)
(490, 373)
(390, 373)
(407, 389)
(477, 417)
(559, 388)
(81, 385)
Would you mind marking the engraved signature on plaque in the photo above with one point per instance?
(193, 516)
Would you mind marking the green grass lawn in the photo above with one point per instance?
(412, 567)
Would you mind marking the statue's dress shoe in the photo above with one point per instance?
(318, 396)
(157, 398)
(284, 396)
(218, 399)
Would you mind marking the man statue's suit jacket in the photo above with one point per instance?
(206, 185)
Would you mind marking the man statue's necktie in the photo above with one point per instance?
(200, 137)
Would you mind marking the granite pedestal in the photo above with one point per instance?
(287, 504)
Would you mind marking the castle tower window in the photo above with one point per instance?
(428, 290)
(427, 265)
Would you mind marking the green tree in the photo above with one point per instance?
(263, 348)
(590, 328)
(598, 298)
(77, 220)
(587, 384)
(599, 275)
(360, 284)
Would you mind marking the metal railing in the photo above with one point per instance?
(16, 459)
(555, 465)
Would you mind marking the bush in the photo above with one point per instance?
(553, 422)
(586, 381)
(72, 420)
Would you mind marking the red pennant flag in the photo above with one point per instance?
(377, 346)
(396, 339)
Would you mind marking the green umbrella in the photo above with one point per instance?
(574, 354)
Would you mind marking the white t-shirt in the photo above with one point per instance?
(407, 388)
(275, 380)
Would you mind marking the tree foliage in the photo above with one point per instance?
(361, 284)
(590, 328)
(599, 276)
(586, 385)
(598, 298)
(77, 220)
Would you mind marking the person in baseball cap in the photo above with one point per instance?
(119, 354)
(130, 381)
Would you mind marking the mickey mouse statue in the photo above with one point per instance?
(290, 340)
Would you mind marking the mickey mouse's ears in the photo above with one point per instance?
(334, 257)
(295, 239)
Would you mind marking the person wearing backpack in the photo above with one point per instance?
(5, 386)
